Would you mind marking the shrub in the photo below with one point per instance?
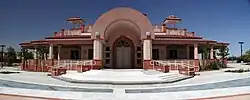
(214, 66)
(238, 71)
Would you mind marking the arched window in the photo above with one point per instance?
(123, 43)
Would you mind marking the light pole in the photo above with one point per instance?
(241, 43)
(2, 47)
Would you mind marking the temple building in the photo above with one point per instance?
(122, 38)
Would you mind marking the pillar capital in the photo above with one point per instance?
(148, 36)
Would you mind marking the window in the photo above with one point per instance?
(107, 61)
(138, 54)
(107, 54)
(75, 54)
(138, 48)
(155, 54)
(173, 54)
(90, 54)
(107, 48)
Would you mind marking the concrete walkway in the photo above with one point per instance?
(209, 85)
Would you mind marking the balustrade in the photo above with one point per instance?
(171, 31)
(185, 66)
(75, 32)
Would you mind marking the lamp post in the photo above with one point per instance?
(2, 47)
(241, 43)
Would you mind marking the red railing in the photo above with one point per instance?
(185, 66)
(39, 65)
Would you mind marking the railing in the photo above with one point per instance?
(75, 32)
(72, 64)
(158, 29)
(187, 66)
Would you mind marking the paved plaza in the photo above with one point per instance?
(207, 85)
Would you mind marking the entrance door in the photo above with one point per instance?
(119, 60)
(127, 57)
(123, 55)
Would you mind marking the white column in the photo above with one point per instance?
(45, 56)
(188, 52)
(97, 50)
(211, 52)
(147, 49)
(51, 52)
(58, 52)
(196, 51)
(35, 53)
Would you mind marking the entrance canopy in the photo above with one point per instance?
(122, 13)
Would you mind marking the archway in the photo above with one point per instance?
(123, 53)
(122, 13)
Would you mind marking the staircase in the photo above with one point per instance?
(173, 77)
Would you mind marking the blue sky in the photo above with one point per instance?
(222, 20)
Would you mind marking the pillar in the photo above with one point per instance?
(196, 51)
(211, 52)
(51, 52)
(97, 50)
(35, 53)
(59, 51)
(188, 52)
(147, 50)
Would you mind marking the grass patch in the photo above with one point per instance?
(8, 72)
(238, 71)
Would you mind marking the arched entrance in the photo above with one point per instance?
(123, 53)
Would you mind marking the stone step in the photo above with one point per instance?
(151, 72)
(175, 78)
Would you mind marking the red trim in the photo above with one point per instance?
(69, 37)
(178, 36)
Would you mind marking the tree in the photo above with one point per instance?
(233, 58)
(11, 56)
(24, 54)
(41, 52)
(246, 56)
(223, 52)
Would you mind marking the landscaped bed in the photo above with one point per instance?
(238, 71)
(8, 72)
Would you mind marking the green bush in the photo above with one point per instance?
(238, 71)
(214, 66)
